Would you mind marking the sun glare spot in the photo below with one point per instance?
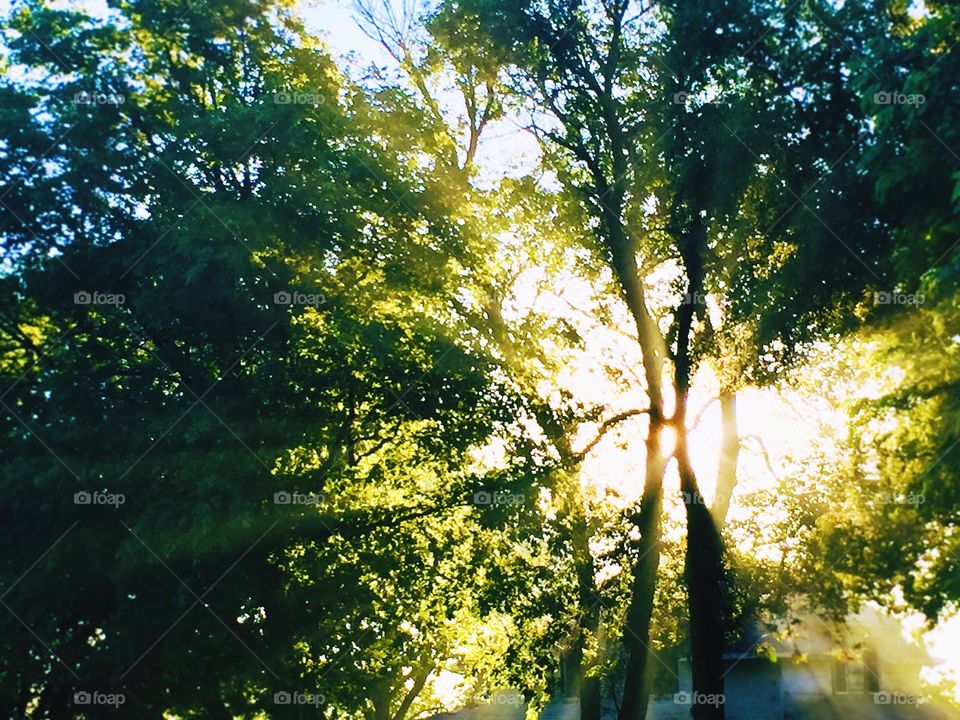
(668, 442)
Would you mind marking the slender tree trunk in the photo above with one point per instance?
(587, 687)
(703, 562)
(23, 694)
(381, 703)
(704, 573)
(729, 453)
(419, 681)
(590, 698)
(636, 688)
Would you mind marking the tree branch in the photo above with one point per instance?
(763, 451)
(605, 427)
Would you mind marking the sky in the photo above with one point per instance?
(334, 21)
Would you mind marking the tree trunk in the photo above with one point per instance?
(590, 696)
(704, 571)
(381, 703)
(729, 452)
(576, 683)
(587, 687)
(703, 561)
(419, 681)
(636, 688)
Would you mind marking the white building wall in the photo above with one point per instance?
(811, 677)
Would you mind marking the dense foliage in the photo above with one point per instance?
(292, 399)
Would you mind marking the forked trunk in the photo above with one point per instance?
(636, 632)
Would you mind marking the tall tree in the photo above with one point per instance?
(683, 128)
(238, 253)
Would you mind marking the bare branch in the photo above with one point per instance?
(763, 451)
(605, 426)
(700, 414)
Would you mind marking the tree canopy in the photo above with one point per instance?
(311, 405)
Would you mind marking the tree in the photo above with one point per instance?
(240, 256)
(426, 48)
(895, 488)
(647, 109)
